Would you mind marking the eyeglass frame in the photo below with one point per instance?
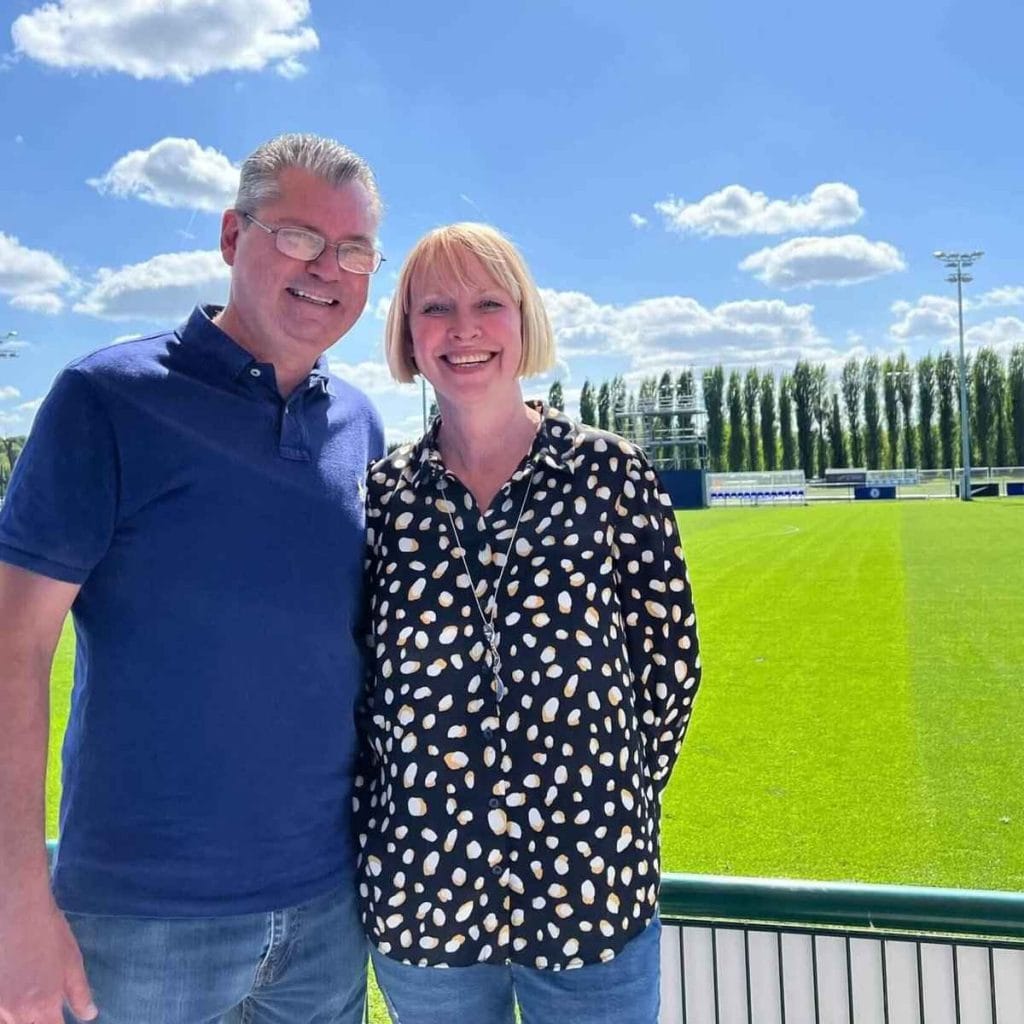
(336, 246)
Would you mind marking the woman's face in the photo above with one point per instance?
(466, 334)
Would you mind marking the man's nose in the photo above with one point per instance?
(326, 266)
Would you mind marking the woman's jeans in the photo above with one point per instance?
(622, 991)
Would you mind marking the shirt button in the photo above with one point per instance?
(494, 802)
(254, 372)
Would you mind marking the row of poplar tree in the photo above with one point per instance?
(879, 414)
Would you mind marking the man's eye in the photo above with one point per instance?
(296, 236)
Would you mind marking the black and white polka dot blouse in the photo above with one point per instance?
(522, 829)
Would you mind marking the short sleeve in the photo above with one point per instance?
(658, 612)
(59, 512)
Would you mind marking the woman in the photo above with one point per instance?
(533, 668)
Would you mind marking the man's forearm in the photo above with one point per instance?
(40, 963)
(24, 737)
(32, 613)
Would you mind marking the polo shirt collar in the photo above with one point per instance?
(216, 352)
(554, 445)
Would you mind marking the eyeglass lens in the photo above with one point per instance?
(306, 246)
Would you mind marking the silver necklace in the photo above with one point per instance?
(491, 635)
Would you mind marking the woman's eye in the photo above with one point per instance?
(433, 307)
(490, 304)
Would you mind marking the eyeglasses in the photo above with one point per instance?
(300, 244)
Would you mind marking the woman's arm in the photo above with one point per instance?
(658, 614)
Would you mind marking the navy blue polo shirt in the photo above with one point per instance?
(217, 533)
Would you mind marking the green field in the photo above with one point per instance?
(860, 715)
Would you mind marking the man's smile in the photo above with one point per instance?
(318, 300)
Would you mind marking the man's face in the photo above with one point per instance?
(282, 309)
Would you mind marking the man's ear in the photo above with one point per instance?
(230, 226)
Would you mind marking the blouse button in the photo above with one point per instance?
(488, 732)
(494, 802)
(496, 870)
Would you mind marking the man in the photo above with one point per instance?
(195, 499)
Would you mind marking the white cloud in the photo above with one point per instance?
(1008, 295)
(735, 210)
(582, 327)
(931, 316)
(934, 318)
(637, 221)
(806, 262)
(173, 172)
(291, 68)
(29, 275)
(677, 330)
(8, 393)
(18, 420)
(408, 429)
(381, 307)
(160, 289)
(39, 302)
(372, 377)
(182, 40)
(1001, 334)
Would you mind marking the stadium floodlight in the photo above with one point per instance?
(956, 262)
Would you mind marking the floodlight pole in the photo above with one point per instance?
(957, 261)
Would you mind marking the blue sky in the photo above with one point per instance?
(691, 183)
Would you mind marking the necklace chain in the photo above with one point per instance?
(490, 634)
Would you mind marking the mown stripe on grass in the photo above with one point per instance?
(801, 744)
(965, 613)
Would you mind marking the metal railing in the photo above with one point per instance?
(780, 951)
(760, 951)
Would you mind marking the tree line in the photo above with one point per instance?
(10, 447)
(884, 413)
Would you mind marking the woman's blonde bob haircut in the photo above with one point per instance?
(444, 251)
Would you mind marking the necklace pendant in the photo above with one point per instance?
(499, 687)
(489, 635)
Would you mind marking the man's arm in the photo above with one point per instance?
(40, 964)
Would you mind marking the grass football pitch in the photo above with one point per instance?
(860, 716)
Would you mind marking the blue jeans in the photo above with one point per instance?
(622, 991)
(302, 965)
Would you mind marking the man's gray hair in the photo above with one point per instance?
(324, 157)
